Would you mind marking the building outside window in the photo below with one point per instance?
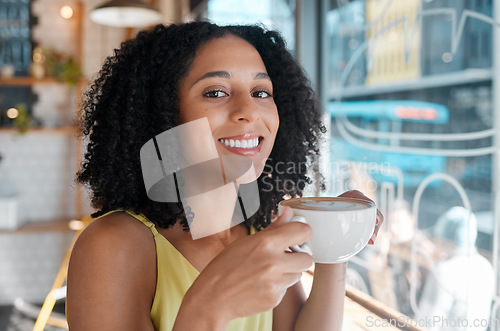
(274, 14)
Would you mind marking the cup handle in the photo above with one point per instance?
(304, 248)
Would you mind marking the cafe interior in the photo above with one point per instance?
(408, 94)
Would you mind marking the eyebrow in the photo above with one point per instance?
(225, 74)
(262, 75)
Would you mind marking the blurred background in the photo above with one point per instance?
(408, 92)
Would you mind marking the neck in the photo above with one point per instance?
(223, 238)
(226, 237)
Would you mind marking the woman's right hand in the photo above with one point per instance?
(250, 276)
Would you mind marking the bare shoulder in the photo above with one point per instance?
(117, 229)
(112, 269)
(118, 237)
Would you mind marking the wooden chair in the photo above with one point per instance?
(58, 290)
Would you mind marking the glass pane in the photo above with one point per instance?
(15, 38)
(411, 98)
(274, 14)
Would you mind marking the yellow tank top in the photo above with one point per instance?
(175, 275)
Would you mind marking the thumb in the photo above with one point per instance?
(285, 216)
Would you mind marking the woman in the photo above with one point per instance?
(127, 276)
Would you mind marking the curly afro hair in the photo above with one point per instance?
(135, 97)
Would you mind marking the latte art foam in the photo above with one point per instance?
(327, 204)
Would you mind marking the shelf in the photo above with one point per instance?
(70, 130)
(57, 225)
(28, 81)
(467, 76)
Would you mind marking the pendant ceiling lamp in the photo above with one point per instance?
(126, 14)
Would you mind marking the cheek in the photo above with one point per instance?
(215, 119)
(190, 109)
(277, 123)
(273, 122)
(185, 115)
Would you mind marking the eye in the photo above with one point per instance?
(215, 94)
(262, 94)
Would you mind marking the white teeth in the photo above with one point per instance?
(245, 143)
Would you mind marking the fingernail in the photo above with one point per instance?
(370, 242)
(377, 221)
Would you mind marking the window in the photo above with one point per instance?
(423, 72)
(274, 14)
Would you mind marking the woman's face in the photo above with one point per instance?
(229, 85)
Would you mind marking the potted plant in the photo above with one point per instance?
(59, 65)
(19, 117)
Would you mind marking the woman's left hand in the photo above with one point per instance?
(380, 218)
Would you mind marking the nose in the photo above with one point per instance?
(244, 110)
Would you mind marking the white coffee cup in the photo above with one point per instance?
(341, 227)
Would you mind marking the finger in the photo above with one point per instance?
(290, 279)
(380, 218)
(282, 284)
(374, 236)
(298, 261)
(378, 225)
(355, 194)
(285, 216)
(287, 234)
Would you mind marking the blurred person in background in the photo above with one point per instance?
(459, 291)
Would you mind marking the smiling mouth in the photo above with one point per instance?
(241, 143)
